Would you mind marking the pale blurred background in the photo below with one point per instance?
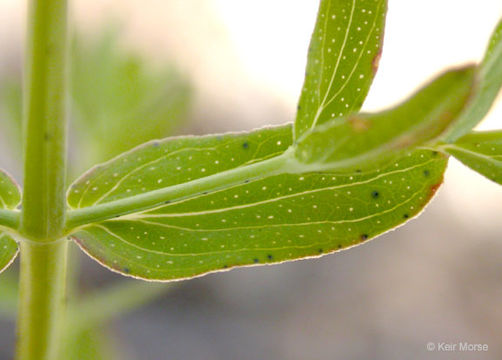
(437, 279)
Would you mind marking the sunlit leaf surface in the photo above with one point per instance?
(188, 206)
(481, 151)
(159, 164)
(342, 61)
(490, 82)
(365, 141)
(10, 198)
(268, 220)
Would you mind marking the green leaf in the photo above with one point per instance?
(10, 197)
(187, 206)
(8, 250)
(159, 164)
(342, 61)
(366, 141)
(267, 219)
(481, 151)
(311, 203)
(490, 82)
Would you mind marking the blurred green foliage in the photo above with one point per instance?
(119, 100)
(8, 293)
(90, 344)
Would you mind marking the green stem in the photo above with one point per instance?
(45, 121)
(43, 253)
(151, 199)
(42, 289)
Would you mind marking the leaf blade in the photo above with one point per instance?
(10, 198)
(8, 251)
(273, 217)
(365, 141)
(342, 61)
(480, 151)
(172, 161)
(217, 231)
(490, 82)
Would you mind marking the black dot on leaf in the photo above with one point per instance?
(225, 266)
(375, 194)
(406, 216)
(364, 237)
(426, 173)
(126, 270)
(270, 257)
(358, 170)
(339, 246)
(167, 202)
(255, 260)
(434, 153)
(320, 251)
(245, 145)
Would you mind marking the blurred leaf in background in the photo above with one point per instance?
(8, 293)
(119, 100)
(91, 344)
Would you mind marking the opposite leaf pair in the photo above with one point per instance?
(187, 206)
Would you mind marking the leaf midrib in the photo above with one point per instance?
(493, 159)
(335, 71)
(142, 214)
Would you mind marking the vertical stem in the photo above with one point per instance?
(43, 253)
(45, 120)
(42, 293)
